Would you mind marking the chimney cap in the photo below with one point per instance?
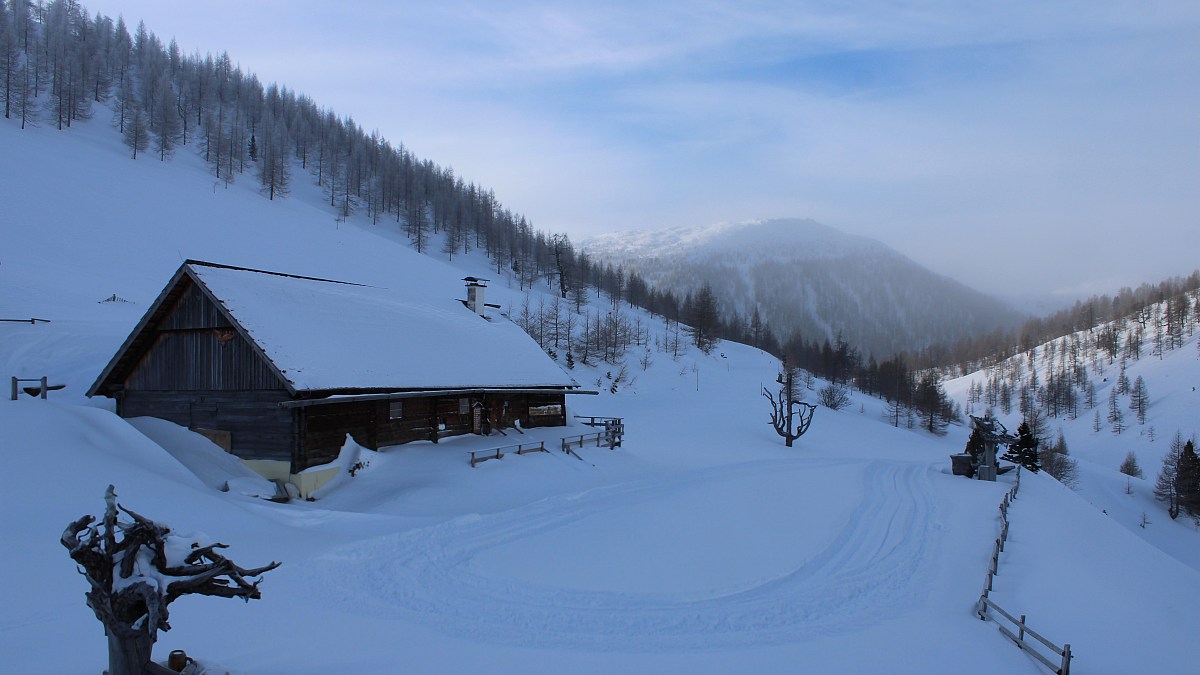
(475, 280)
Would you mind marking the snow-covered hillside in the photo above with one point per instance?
(1172, 381)
(701, 545)
(806, 277)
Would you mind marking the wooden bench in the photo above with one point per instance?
(478, 456)
(527, 448)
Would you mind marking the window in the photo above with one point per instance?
(395, 410)
(464, 406)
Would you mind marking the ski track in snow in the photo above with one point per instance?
(871, 571)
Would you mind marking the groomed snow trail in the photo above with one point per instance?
(873, 569)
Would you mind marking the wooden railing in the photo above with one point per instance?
(40, 390)
(610, 437)
(596, 420)
(985, 603)
(1063, 667)
(479, 456)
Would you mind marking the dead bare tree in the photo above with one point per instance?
(784, 410)
(134, 571)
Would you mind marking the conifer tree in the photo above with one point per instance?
(1057, 462)
(165, 120)
(1139, 399)
(136, 136)
(1129, 466)
(273, 171)
(24, 100)
(704, 319)
(975, 448)
(1188, 480)
(1166, 487)
(896, 411)
(1025, 450)
(1115, 416)
(10, 61)
(930, 401)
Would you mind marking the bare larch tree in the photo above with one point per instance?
(784, 411)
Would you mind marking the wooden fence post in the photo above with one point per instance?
(1066, 660)
(14, 388)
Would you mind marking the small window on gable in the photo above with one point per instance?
(395, 410)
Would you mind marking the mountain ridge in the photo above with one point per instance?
(809, 279)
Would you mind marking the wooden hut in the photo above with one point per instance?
(278, 368)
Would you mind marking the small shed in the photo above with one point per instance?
(278, 368)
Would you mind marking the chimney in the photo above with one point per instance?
(475, 288)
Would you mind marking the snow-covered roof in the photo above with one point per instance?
(325, 335)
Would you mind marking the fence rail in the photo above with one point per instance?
(42, 388)
(1063, 667)
(986, 603)
(610, 436)
(480, 456)
(599, 438)
(596, 420)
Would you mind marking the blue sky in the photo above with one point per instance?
(1062, 138)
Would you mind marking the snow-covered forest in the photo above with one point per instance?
(61, 67)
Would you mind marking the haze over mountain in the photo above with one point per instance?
(806, 277)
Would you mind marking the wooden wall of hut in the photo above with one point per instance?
(195, 348)
(259, 428)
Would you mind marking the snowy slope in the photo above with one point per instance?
(701, 545)
(1173, 382)
(122, 227)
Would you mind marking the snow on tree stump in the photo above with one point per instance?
(136, 568)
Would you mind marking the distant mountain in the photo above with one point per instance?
(808, 277)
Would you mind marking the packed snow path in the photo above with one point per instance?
(484, 576)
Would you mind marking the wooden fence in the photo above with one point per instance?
(478, 456)
(42, 388)
(607, 438)
(986, 606)
(610, 436)
(596, 420)
(1063, 667)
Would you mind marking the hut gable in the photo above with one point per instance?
(197, 348)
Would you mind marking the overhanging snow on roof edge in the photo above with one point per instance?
(428, 393)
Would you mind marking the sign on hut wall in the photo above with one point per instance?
(545, 410)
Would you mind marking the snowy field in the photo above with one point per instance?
(701, 545)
